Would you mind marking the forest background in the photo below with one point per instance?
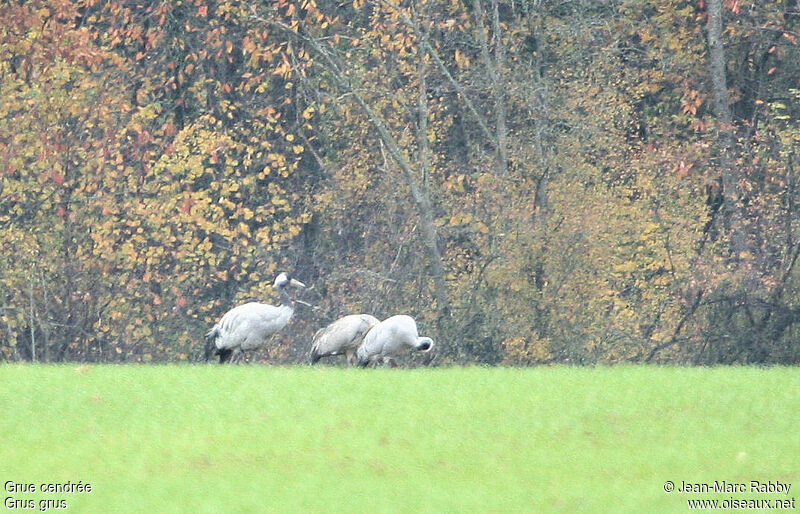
(536, 181)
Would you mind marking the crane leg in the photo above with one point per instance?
(238, 356)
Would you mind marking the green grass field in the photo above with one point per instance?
(300, 439)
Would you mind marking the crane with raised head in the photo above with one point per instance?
(250, 325)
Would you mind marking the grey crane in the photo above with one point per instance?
(390, 337)
(343, 336)
(248, 326)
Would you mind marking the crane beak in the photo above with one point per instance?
(296, 283)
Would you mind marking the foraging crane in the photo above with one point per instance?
(343, 336)
(390, 337)
(248, 326)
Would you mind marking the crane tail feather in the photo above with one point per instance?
(211, 338)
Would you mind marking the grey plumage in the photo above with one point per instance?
(390, 337)
(342, 337)
(248, 326)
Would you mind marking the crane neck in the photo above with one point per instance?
(285, 298)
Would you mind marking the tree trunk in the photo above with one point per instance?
(499, 92)
(733, 218)
(426, 209)
(493, 71)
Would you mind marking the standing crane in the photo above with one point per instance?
(343, 336)
(390, 337)
(248, 326)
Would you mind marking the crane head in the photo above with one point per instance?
(424, 344)
(284, 279)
